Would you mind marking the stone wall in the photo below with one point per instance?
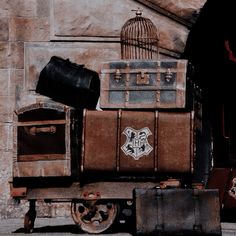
(86, 32)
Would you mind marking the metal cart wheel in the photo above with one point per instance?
(92, 216)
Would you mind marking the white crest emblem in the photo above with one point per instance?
(136, 144)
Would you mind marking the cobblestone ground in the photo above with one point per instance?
(45, 227)
(66, 226)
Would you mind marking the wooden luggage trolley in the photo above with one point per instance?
(106, 161)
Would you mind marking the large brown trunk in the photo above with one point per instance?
(137, 141)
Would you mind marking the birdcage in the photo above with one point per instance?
(139, 38)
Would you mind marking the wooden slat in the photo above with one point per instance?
(166, 13)
(37, 157)
(41, 122)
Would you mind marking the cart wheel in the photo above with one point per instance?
(94, 217)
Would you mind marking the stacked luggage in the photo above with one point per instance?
(132, 134)
(136, 133)
(145, 130)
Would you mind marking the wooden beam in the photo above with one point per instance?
(166, 13)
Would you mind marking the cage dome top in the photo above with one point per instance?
(139, 38)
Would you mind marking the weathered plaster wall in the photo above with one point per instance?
(87, 32)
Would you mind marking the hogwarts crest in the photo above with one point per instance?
(136, 144)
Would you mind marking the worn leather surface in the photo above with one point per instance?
(69, 83)
(177, 212)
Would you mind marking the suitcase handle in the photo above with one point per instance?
(51, 129)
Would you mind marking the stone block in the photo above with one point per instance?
(29, 29)
(7, 105)
(37, 55)
(5, 82)
(12, 209)
(4, 9)
(184, 9)
(104, 19)
(16, 55)
(16, 79)
(4, 188)
(11, 55)
(4, 55)
(25, 98)
(4, 29)
(6, 136)
(22, 8)
(6, 164)
(62, 210)
(43, 8)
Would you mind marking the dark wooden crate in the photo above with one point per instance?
(45, 143)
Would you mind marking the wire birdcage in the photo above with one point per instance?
(139, 38)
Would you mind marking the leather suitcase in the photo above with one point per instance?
(69, 83)
(177, 212)
(143, 84)
(137, 141)
(45, 140)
